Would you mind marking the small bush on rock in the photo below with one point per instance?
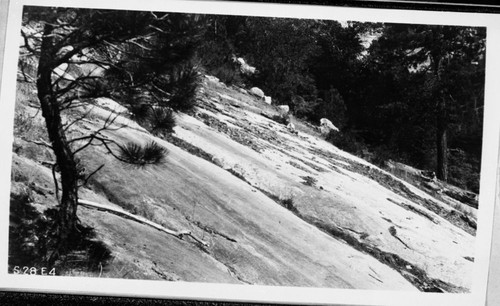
(162, 120)
(282, 118)
(182, 84)
(135, 154)
(309, 181)
(288, 204)
(228, 74)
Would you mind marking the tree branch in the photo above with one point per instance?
(123, 213)
(66, 128)
(41, 142)
(91, 174)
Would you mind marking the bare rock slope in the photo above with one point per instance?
(275, 207)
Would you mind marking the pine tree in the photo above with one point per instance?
(134, 49)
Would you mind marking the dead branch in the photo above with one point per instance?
(41, 142)
(159, 18)
(157, 29)
(78, 81)
(139, 45)
(139, 219)
(94, 136)
(85, 181)
(80, 118)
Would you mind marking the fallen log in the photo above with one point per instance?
(139, 219)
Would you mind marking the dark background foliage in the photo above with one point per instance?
(393, 89)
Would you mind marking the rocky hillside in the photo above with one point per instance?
(267, 204)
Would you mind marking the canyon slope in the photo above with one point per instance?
(272, 205)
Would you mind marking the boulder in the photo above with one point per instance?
(284, 109)
(257, 92)
(291, 128)
(326, 126)
(247, 69)
(241, 61)
(212, 79)
(268, 100)
(244, 67)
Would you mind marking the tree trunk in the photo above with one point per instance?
(441, 140)
(51, 111)
(441, 119)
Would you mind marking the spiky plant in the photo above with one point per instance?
(136, 154)
(182, 85)
(162, 120)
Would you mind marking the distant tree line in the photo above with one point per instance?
(411, 93)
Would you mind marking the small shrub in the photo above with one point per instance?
(23, 124)
(228, 74)
(135, 154)
(29, 127)
(309, 181)
(288, 204)
(392, 231)
(282, 118)
(303, 108)
(182, 85)
(162, 120)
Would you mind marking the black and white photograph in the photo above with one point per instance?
(249, 152)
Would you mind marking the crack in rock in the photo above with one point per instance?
(388, 181)
(165, 275)
(415, 275)
(415, 210)
(213, 231)
(235, 274)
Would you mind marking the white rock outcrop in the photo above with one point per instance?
(211, 78)
(326, 126)
(284, 109)
(244, 67)
(256, 91)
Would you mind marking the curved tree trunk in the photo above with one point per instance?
(51, 111)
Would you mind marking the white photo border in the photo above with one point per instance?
(267, 294)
